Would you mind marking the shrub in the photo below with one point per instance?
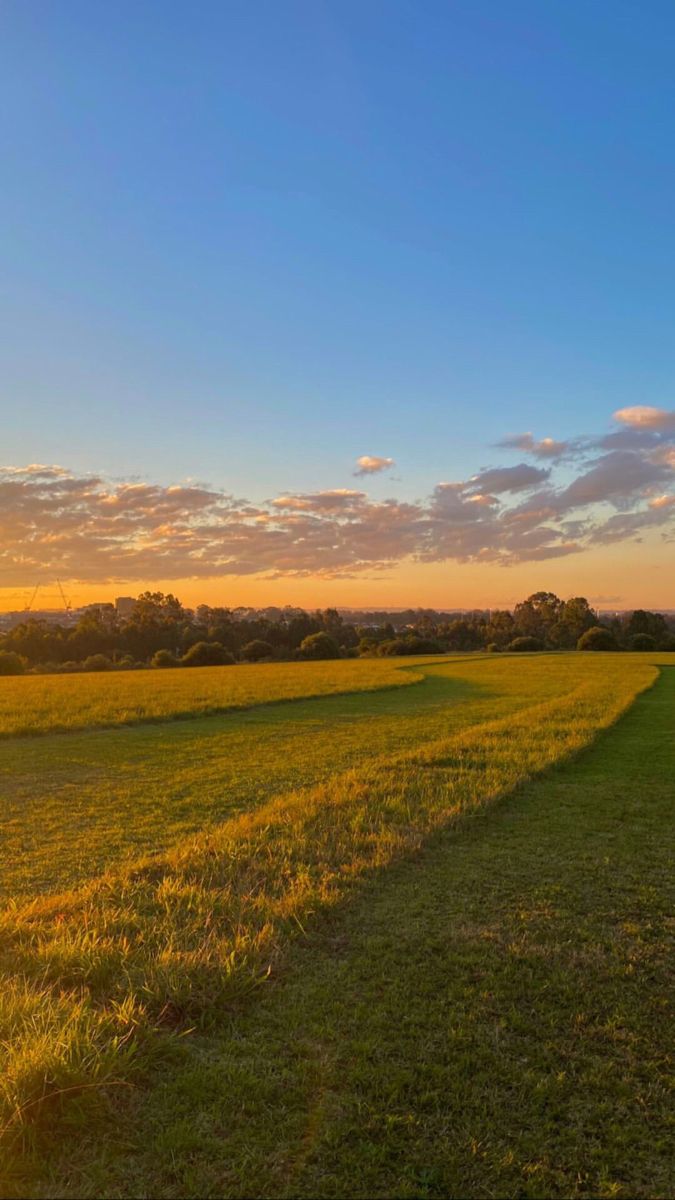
(492, 648)
(256, 650)
(410, 645)
(319, 645)
(164, 658)
(207, 654)
(11, 663)
(668, 642)
(393, 646)
(422, 645)
(642, 641)
(526, 643)
(597, 638)
(97, 662)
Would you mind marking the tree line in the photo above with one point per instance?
(160, 632)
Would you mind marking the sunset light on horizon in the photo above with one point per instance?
(592, 513)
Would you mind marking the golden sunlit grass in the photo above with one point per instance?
(52, 703)
(98, 982)
(70, 806)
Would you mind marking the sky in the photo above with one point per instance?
(287, 289)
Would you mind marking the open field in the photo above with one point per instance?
(72, 806)
(62, 703)
(349, 945)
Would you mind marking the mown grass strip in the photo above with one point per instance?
(491, 1017)
(44, 704)
(96, 983)
(71, 807)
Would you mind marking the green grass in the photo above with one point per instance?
(102, 984)
(489, 1017)
(72, 806)
(37, 704)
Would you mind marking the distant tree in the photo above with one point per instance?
(256, 650)
(318, 646)
(157, 622)
(521, 644)
(461, 635)
(499, 629)
(164, 658)
(11, 663)
(574, 618)
(641, 622)
(96, 632)
(97, 662)
(423, 645)
(346, 637)
(329, 620)
(393, 646)
(597, 638)
(38, 641)
(158, 606)
(206, 654)
(219, 625)
(409, 645)
(536, 616)
(425, 626)
(642, 641)
(299, 628)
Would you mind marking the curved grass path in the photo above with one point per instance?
(32, 705)
(73, 804)
(486, 1018)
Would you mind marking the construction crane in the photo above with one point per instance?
(66, 602)
(31, 602)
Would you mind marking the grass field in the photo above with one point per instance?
(35, 704)
(74, 805)
(346, 946)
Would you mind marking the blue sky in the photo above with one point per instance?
(245, 243)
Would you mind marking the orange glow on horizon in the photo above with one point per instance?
(634, 576)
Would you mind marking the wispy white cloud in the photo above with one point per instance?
(372, 464)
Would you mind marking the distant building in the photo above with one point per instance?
(124, 606)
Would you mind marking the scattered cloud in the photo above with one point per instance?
(509, 479)
(337, 500)
(643, 416)
(372, 464)
(88, 528)
(547, 447)
(617, 476)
